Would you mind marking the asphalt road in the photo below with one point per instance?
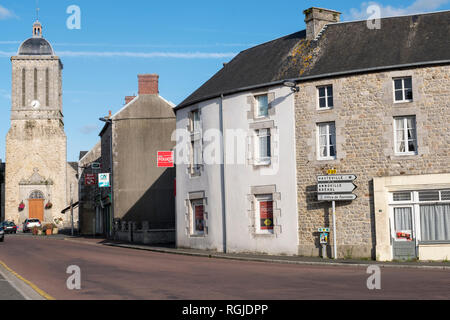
(116, 273)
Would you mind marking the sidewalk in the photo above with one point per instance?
(262, 258)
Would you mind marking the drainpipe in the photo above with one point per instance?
(111, 219)
(222, 176)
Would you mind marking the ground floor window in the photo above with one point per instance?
(197, 218)
(421, 216)
(264, 214)
(435, 222)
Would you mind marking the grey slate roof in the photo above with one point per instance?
(348, 47)
(35, 47)
(82, 154)
(74, 165)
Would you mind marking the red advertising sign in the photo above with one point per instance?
(165, 159)
(199, 218)
(266, 212)
(89, 179)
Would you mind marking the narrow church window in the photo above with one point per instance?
(23, 87)
(35, 84)
(47, 90)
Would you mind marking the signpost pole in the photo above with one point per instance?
(334, 230)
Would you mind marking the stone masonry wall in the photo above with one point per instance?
(363, 112)
(37, 144)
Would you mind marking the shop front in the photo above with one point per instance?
(412, 215)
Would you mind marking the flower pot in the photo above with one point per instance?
(40, 233)
(55, 231)
(49, 232)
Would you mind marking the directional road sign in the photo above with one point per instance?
(337, 197)
(338, 187)
(337, 177)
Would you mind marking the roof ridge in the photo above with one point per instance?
(393, 17)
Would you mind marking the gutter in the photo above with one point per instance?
(315, 77)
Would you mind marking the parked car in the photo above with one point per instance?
(8, 227)
(29, 224)
(2, 235)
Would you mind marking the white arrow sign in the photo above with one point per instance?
(337, 177)
(337, 197)
(344, 187)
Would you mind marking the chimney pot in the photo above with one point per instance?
(317, 18)
(148, 84)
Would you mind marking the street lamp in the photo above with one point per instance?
(291, 84)
(110, 121)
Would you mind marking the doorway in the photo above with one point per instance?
(404, 245)
(36, 205)
(36, 209)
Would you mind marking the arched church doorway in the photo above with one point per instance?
(36, 205)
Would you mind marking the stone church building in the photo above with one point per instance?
(39, 181)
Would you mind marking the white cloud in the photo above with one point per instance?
(419, 6)
(144, 55)
(6, 14)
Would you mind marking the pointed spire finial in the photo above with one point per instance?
(37, 10)
(37, 27)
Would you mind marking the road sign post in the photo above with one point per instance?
(334, 231)
(335, 187)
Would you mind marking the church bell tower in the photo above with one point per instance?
(36, 155)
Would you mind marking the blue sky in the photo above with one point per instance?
(185, 42)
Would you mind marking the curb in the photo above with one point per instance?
(38, 291)
(250, 259)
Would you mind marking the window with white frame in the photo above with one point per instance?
(424, 215)
(405, 135)
(403, 223)
(403, 89)
(262, 106)
(325, 94)
(197, 218)
(264, 214)
(326, 134)
(196, 142)
(263, 147)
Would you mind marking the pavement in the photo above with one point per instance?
(113, 271)
(14, 287)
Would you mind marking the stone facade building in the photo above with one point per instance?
(338, 96)
(89, 193)
(2, 191)
(36, 157)
(141, 199)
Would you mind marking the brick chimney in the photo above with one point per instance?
(317, 18)
(128, 99)
(148, 84)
